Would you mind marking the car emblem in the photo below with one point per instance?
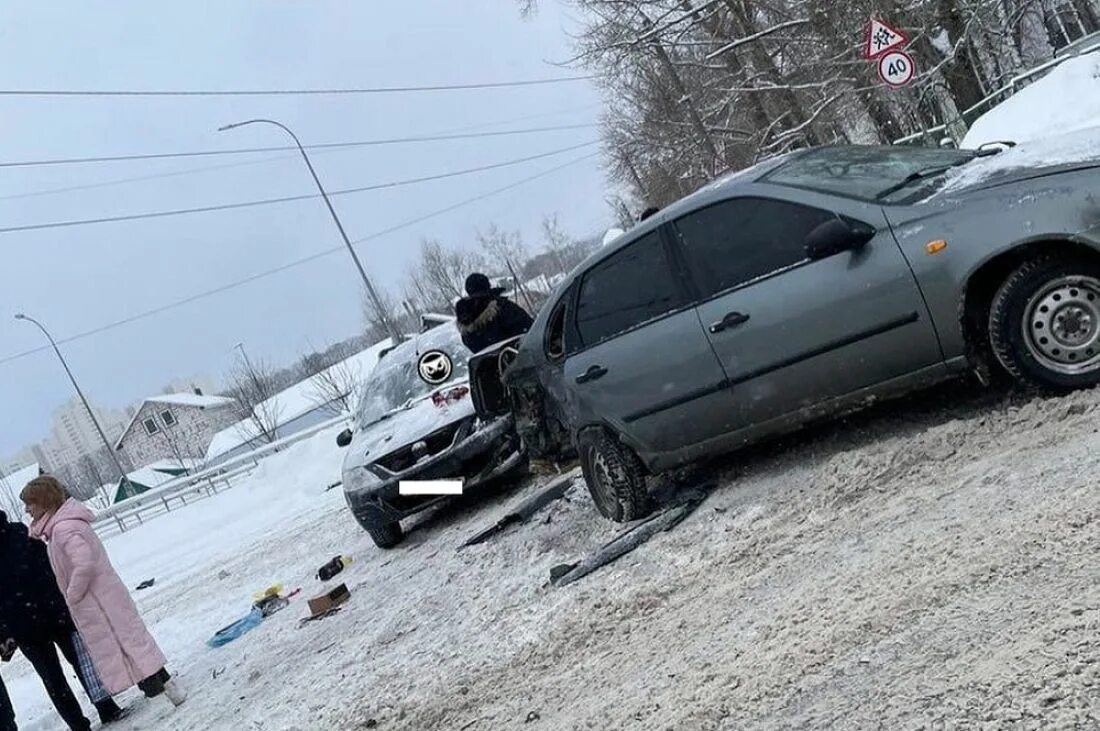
(435, 367)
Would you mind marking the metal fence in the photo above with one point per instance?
(929, 136)
(183, 491)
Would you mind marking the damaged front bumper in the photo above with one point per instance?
(480, 456)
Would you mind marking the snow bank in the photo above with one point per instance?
(1080, 146)
(1066, 99)
(286, 487)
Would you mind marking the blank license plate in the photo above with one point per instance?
(430, 487)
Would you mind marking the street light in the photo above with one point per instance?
(84, 400)
(347, 242)
(247, 362)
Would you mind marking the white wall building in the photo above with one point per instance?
(176, 426)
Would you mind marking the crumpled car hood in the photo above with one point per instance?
(404, 428)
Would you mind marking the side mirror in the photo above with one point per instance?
(835, 236)
(343, 439)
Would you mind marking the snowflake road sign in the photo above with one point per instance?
(882, 38)
(896, 69)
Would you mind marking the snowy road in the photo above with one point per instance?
(931, 562)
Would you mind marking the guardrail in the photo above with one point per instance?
(183, 491)
(1009, 89)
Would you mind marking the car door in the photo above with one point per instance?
(642, 364)
(791, 332)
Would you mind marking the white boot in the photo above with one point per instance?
(174, 692)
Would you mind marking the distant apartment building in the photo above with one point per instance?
(174, 427)
(74, 435)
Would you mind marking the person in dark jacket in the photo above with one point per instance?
(486, 318)
(7, 713)
(33, 615)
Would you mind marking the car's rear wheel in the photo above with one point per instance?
(384, 532)
(615, 476)
(1044, 323)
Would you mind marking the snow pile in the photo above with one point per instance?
(285, 487)
(1080, 146)
(611, 235)
(1066, 99)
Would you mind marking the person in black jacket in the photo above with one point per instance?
(34, 616)
(486, 318)
(7, 713)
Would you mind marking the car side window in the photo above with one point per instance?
(633, 285)
(554, 344)
(738, 240)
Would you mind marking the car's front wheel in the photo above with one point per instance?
(615, 476)
(1044, 323)
(384, 532)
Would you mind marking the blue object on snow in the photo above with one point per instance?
(227, 634)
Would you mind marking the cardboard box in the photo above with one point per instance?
(330, 599)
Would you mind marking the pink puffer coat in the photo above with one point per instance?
(121, 647)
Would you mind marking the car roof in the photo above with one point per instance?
(717, 189)
(444, 336)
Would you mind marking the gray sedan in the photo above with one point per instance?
(808, 286)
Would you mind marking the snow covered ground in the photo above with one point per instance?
(928, 564)
(1067, 99)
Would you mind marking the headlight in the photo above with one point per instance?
(361, 479)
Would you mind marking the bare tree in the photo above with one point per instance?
(253, 387)
(695, 87)
(333, 389)
(444, 271)
(504, 249)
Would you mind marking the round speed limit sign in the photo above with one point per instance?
(896, 68)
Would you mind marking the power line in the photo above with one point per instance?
(284, 148)
(287, 199)
(299, 92)
(297, 262)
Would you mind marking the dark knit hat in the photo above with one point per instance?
(477, 283)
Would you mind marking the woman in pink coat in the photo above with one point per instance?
(122, 650)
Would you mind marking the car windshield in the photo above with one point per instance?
(396, 383)
(869, 173)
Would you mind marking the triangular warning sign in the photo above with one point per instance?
(882, 38)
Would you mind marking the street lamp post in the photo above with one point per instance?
(247, 362)
(371, 292)
(83, 399)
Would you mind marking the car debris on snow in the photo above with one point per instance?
(525, 510)
(627, 541)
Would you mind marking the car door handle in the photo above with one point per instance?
(732, 319)
(592, 374)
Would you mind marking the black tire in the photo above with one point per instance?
(615, 476)
(1016, 341)
(384, 532)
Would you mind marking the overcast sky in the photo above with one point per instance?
(78, 278)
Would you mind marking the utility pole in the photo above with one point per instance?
(91, 415)
(375, 299)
